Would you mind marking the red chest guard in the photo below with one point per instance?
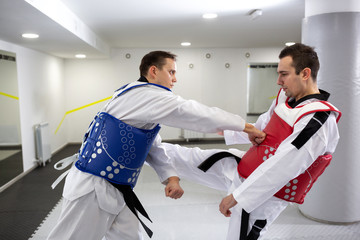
(277, 130)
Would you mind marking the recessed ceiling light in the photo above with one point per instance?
(209, 15)
(30, 35)
(289, 43)
(80, 56)
(185, 44)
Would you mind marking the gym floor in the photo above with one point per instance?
(29, 209)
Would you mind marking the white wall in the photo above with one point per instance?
(86, 81)
(41, 97)
(209, 81)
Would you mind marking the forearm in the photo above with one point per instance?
(160, 162)
(192, 115)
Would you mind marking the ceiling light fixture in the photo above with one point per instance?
(30, 35)
(80, 56)
(185, 44)
(209, 15)
(289, 43)
(255, 13)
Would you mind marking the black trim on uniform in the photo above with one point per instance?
(323, 95)
(310, 129)
(205, 165)
(143, 79)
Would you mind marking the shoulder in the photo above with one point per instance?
(146, 96)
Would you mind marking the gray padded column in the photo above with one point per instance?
(335, 197)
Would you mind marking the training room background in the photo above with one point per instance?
(51, 87)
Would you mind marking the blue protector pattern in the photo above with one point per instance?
(115, 150)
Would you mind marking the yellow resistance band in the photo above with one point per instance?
(79, 108)
(273, 97)
(8, 95)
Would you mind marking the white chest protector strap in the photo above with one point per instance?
(62, 164)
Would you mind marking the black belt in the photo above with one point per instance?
(133, 203)
(205, 165)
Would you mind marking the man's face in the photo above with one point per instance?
(289, 81)
(166, 75)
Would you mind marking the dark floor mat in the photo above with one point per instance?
(10, 168)
(25, 204)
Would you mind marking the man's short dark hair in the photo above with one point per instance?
(303, 56)
(155, 58)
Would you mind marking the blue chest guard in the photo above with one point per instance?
(115, 150)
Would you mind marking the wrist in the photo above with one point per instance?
(248, 128)
(173, 179)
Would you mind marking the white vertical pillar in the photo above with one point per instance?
(333, 28)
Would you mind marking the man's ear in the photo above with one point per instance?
(306, 73)
(152, 72)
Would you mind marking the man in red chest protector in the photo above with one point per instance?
(302, 133)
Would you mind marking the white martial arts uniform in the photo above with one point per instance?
(92, 207)
(255, 194)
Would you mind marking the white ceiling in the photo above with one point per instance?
(99, 25)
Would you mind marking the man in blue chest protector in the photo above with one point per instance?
(98, 199)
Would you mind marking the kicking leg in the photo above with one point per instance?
(186, 161)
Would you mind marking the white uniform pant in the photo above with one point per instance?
(222, 176)
(82, 219)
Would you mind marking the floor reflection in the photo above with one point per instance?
(10, 163)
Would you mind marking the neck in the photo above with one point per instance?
(309, 89)
(150, 79)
